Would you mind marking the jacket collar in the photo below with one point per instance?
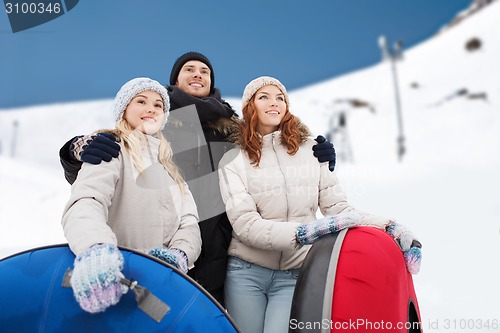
(237, 137)
(269, 139)
(210, 108)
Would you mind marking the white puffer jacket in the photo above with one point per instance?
(266, 204)
(112, 203)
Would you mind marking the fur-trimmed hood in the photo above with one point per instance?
(226, 126)
(223, 126)
(237, 137)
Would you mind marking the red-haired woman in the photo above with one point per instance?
(272, 187)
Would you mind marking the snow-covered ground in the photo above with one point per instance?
(444, 189)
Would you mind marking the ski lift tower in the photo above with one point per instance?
(393, 56)
(15, 125)
(339, 135)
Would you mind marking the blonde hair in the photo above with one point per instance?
(134, 140)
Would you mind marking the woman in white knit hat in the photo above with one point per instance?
(138, 200)
(272, 187)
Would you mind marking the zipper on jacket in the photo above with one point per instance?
(286, 190)
(199, 146)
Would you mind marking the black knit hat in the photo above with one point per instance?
(187, 57)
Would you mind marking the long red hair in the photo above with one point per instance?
(252, 143)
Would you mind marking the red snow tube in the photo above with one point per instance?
(355, 281)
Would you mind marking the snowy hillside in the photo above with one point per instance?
(444, 189)
(33, 190)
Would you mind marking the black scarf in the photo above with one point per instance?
(209, 108)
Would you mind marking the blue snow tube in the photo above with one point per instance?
(32, 297)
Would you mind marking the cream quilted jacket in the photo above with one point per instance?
(112, 203)
(266, 204)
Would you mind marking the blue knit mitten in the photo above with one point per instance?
(409, 244)
(96, 278)
(413, 258)
(402, 235)
(307, 233)
(174, 257)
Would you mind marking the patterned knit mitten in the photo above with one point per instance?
(413, 258)
(174, 257)
(411, 247)
(402, 235)
(96, 278)
(307, 233)
(95, 148)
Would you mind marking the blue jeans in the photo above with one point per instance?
(259, 299)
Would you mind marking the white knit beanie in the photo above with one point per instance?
(258, 83)
(135, 86)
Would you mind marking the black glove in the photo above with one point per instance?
(94, 149)
(325, 152)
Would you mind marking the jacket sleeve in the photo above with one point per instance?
(86, 214)
(248, 225)
(188, 238)
(69, 164)
(332, 200)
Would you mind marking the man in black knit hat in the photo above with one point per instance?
(206, 67)
(197, 152)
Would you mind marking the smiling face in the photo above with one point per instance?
(270, 106)
(145, 112)
(194, 78)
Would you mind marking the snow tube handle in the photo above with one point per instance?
(146, 301)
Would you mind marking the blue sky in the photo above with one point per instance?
(89, 52)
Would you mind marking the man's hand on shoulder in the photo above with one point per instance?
(95, 148)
